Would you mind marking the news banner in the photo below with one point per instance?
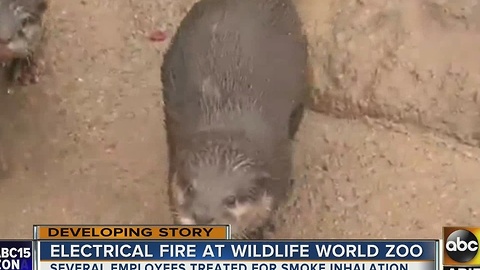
(88, 247)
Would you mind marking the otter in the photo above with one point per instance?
(234, 89)
(21, 32)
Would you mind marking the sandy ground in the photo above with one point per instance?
(87, 144)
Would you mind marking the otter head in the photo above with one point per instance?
(220, 185)
(20, 27)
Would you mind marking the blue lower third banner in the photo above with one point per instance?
(16, 255)
(238, 255)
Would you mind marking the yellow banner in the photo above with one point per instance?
(128, 232)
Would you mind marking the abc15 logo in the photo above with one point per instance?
(461, 246)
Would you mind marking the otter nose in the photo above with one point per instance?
(202, 218)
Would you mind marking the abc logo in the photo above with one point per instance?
(461, 246)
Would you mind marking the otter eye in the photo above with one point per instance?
(27, 21)
(230, 201)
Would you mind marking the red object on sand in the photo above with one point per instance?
(158, 36)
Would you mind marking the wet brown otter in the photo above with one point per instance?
(234, 81)
(21, 32)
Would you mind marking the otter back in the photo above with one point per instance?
(236, 70)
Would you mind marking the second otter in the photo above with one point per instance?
(234, 83)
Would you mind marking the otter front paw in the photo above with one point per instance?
(26, 71)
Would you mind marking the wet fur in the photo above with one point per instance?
(234, 76)
(22, 29)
